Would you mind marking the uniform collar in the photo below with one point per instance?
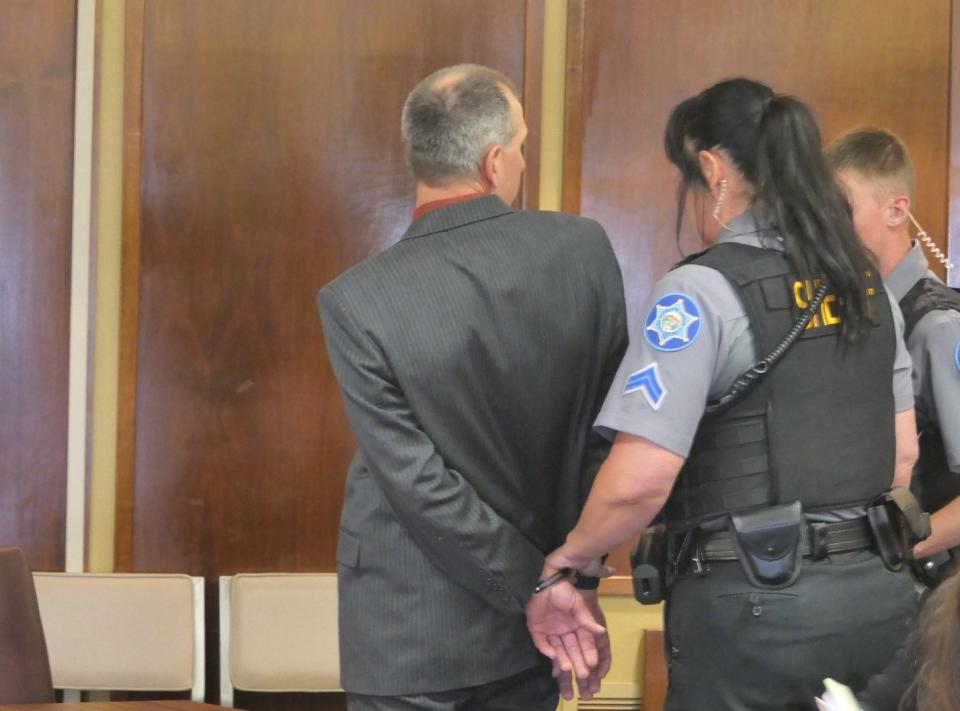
(458, 215)
(911, 269)
(755, 227)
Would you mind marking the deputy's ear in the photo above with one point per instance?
(898, 211)
(712, 170)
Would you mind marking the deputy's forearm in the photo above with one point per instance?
(631, 487)
(945, 524)
(606, 524)
(907, 449)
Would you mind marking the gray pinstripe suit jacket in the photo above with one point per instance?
(472, 357)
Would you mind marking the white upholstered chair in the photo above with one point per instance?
(119, 632)
(278, 633)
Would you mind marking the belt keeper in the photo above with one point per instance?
(700, 568)
(818, 541)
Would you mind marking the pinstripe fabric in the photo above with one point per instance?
(472, 357)
(531, 690)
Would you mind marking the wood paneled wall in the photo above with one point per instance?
(37, 57)
(854, 63)
(269, 162)
(263, 158)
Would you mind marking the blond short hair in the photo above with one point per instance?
(877, 155)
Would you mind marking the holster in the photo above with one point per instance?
(898, 524)
(648, 562)
(768, 544)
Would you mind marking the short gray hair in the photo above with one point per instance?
(450, 120)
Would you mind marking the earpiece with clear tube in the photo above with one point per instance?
(931, 246)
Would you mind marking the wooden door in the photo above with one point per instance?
(855, 63)
(264, 159)
(37, 57)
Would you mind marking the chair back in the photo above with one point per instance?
(124, 632)
(278, 633)
(25, 668)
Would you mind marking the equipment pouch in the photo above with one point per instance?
(768, 544)
(914, 521)
(886, 534)
(648, 562)
(898, 523)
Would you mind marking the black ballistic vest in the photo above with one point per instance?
(819, 428)
(933, 483)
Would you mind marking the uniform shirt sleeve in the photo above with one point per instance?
(936, 348)
(663, 382)
(902, 364)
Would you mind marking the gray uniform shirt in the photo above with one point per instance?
(664, 384)
(934, 346)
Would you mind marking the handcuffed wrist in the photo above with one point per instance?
(550, 580)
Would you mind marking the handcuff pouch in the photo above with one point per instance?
(768, 544)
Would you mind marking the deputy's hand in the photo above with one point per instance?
(564, 629)
(591, 568)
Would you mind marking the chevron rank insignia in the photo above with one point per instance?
(647, 381)
(673, 323)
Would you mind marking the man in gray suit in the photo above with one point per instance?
(472, 356)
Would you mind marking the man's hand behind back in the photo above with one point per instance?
(567, 626)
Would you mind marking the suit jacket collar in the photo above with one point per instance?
(458, 215)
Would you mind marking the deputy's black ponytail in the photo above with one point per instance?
(774, 141)
(794, 180)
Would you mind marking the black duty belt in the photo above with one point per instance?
(817, 540)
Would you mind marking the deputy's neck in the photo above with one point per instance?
(895, 251)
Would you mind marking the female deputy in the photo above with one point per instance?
(765, 601)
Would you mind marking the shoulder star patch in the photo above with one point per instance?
(673, 323)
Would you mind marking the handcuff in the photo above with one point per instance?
(561, 574)
(580, 581)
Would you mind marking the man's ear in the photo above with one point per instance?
(712, 170)
(490, 167)
(898, 211)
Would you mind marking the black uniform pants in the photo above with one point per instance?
(531, 690)
(733, 647)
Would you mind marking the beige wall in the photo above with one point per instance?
(109, 168)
